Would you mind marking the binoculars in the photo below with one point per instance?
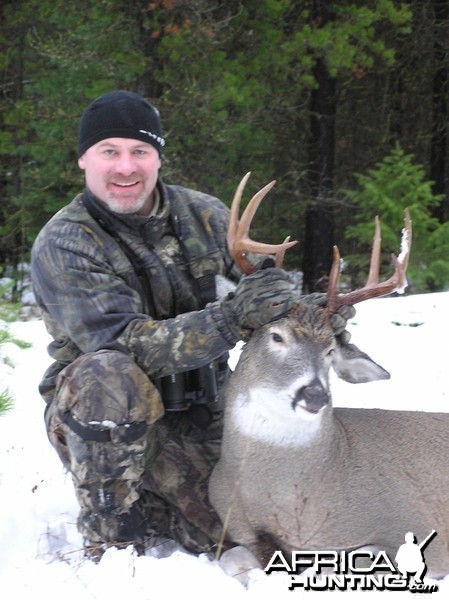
(182, 390)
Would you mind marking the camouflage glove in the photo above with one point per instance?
(339, 320)
(258, 299)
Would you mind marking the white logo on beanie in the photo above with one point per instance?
(159, 140)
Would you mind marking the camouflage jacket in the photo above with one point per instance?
(92, 298)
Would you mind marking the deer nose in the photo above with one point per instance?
(312, 397)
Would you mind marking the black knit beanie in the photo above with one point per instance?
(120, 114)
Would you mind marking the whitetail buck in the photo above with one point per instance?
(297, 474)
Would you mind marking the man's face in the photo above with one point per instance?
(122, 173)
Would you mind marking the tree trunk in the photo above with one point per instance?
(438, 151)
(319, 232)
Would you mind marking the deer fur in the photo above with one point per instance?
(297, 474)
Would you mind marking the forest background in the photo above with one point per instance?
(344, 103)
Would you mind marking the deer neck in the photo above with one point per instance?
(258, 414)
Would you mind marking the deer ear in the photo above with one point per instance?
(354, 366)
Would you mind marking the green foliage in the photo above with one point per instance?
(397, 183)
(232, 81)
(60, 55)
(7, 338)
(237, 78)
(350, 39)
(9, 310)
(6, 399)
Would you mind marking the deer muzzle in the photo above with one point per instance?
(312, 397)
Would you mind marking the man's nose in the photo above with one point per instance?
(125, 163)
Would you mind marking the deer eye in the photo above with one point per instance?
(277, 338)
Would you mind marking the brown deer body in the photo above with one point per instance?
(297, 474)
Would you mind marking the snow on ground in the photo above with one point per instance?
(40, 548)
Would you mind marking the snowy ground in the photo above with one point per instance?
(40, 549)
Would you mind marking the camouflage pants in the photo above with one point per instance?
(138, 474)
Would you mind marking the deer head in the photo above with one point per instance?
(299, 349)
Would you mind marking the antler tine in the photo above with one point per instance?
(406, 242)
(334, 277)
(238, 238)
(374, 264)
(279, 256)
(373, 289)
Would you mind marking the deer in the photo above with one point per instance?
(296, 473)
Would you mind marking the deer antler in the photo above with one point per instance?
(373, 289)
(238, 238)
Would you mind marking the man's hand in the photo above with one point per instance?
(258, 299)
(339, 319)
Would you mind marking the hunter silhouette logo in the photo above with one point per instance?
(410, 559)
(360, 569)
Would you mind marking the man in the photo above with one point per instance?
(125, 278)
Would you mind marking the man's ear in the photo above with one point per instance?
(354, 366)
(82, 162)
